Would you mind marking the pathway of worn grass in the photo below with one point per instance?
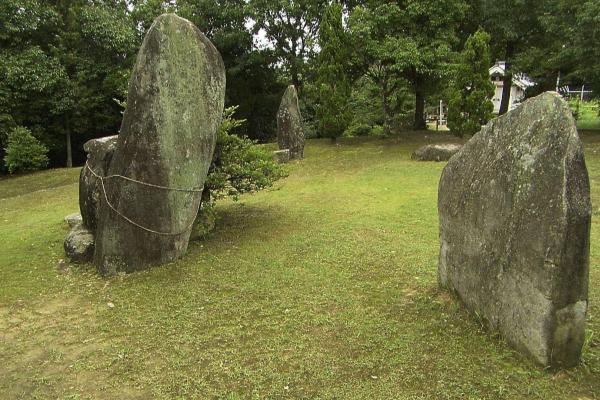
(323, 287)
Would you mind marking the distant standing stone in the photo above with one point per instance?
(290, 132)
(436, 152)
(164, 149)
(99, 153)
(281, 156)
(514, 207)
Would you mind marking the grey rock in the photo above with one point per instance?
(99, 153)
(436, 152)
(281, 156)
(79, 244)
(73, 219)
(290, 131)
(514, 208)
(167, 138)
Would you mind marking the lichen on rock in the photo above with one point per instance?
(514, 208)
(290, 130)
(164, 149)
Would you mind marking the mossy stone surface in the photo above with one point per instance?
(514, 208)
(167, 138)
(290, 130)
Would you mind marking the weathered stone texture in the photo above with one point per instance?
(514, 207)
(167, 138)
(99, 153)
(436, 152)
(79, 244)
(290, 131)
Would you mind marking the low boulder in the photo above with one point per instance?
(79, 244)
(436, 152)
(73, 220)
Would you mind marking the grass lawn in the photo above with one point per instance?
(323, 287)
(588, 115)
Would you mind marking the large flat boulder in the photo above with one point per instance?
(290, 130)
(164, 149)
(436, 152)
(514, 208)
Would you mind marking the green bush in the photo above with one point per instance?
(239, 166)
(359, 130)
(24, 152)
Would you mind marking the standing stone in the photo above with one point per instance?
(514, 206)
(167, 139)
(99, 153)
(290, 133)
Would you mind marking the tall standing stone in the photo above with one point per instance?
(290, 133)
(514, 207)
(164, 149)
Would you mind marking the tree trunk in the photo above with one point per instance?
(419, 122)
(507, 81)
(68, 134)
(386, 109)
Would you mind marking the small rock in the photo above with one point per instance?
(73, 219)
(62, 266)
(436, 152)
(281, 156)
(79, 244)
(110, 305)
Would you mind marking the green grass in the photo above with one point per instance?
(588, 114)
(323, 287)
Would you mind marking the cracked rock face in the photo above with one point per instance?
(290, 131)
(514, 208)
(167, 139)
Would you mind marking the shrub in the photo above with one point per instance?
(239, 166)
(470, 105)
(24, 152)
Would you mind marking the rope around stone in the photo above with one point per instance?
(102, 178)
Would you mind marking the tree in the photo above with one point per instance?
(332, 82)
(409, 40)
(61, 64)
(514, 26)
(469, 106)
(291, 27)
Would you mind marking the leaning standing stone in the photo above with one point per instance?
(514, 206)
(165, 147)
(290, 133)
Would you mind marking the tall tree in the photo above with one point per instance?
(332, 80)
(291, 28)
(470, 105)
(513, 25)
(409, 39)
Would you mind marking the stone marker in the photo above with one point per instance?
(514, 207)
(164, 149)
(281, 156)
(99, 153)
(290, 133)
(436, 152)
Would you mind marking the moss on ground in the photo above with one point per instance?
(322, 287)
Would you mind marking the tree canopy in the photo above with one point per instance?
(359, 65)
